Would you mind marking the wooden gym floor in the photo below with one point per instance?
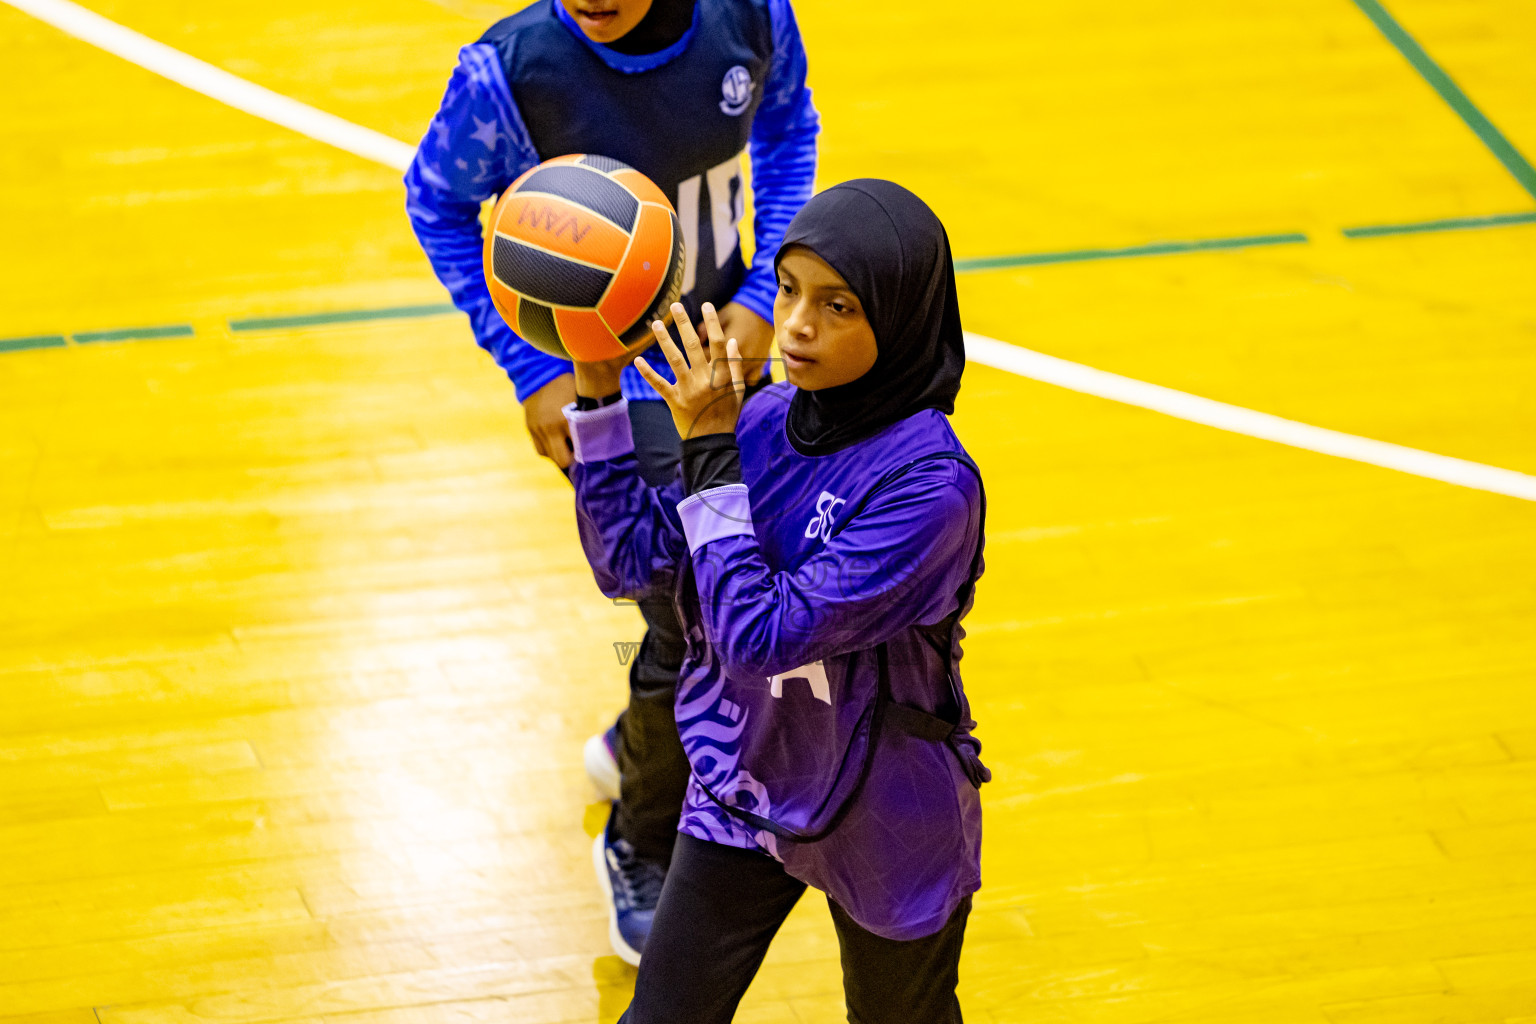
(297, 651)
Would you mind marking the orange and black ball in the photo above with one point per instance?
(582, 252)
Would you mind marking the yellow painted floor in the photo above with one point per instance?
(297, 649)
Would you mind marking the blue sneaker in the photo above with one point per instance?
(633, 887)
(601, 757)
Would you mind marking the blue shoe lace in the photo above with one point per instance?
(637, 881)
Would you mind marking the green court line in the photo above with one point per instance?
(346, 316)
(38, 341)
(134, 334)
(1449, 91)
(1150, 249)
(982, 263)
(1495, 220)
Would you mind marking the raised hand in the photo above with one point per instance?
(707, 396)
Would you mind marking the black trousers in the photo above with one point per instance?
(653, 772)
(719, 910)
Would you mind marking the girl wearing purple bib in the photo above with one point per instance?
(821, 545)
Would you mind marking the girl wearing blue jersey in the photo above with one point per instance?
(822, 543)
(677, 89)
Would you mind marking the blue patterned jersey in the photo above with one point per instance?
(536, 87)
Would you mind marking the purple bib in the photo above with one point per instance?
(817, 761)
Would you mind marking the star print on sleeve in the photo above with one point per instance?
(486, 133)
(476, 146)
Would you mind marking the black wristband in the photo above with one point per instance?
(710, 460)
(585, 404)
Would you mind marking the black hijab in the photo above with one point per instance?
(893, 252)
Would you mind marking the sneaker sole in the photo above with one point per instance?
(625, 951)
(602, 769)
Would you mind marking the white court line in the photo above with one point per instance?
(1238, 420)
(332, 130)
(203, 77)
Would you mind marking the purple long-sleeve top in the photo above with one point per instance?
(788, 584)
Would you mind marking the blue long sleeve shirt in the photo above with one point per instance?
(478, 144)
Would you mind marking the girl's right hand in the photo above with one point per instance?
(710, 384)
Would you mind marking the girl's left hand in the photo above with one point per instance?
(707, 396)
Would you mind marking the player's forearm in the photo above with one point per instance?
(783, 177)
(898, 564)
(474, 147)
(627, 528)
(783, 153)
(449, 233)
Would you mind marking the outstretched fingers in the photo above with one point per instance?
(663, 387)
(668, 348)
(719, 357)
(738, 369)
(714, 331)
(686, 332)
